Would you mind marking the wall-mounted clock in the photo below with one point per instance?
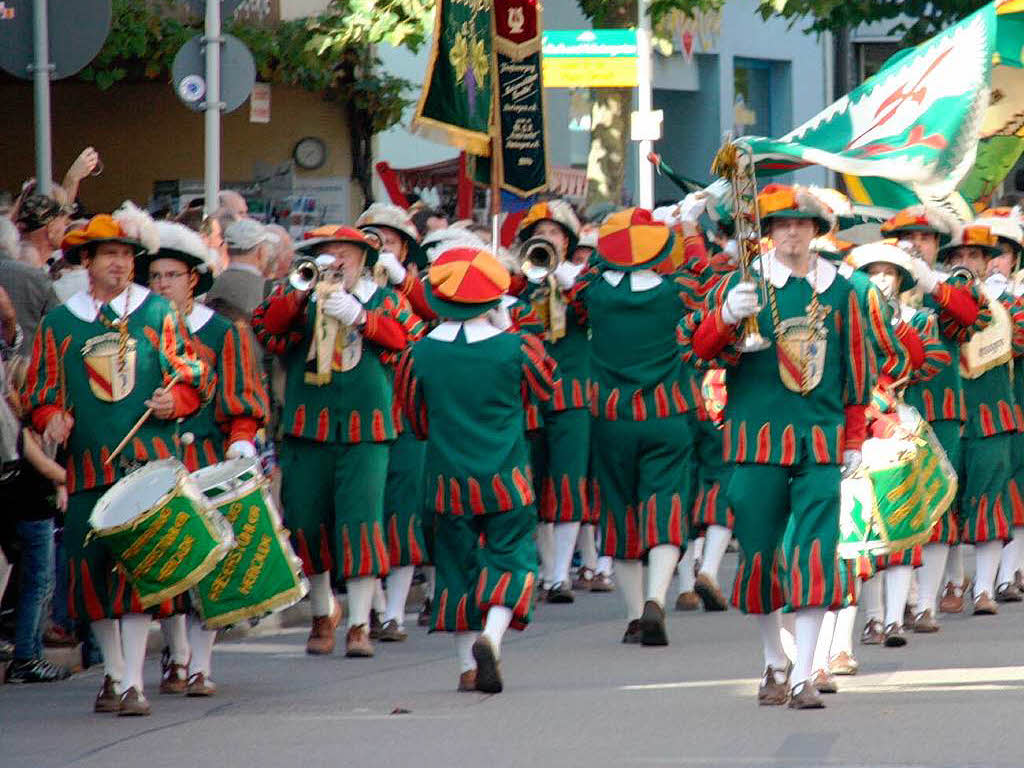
(309, 153)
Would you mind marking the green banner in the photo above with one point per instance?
(455, 104)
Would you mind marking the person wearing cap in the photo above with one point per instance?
(97, 363)
(712, 518)
(794, 421)
(42, 219)
(464, 388)
(338, 422)
(225, 427)
(890, 268)
(560, 449)
(987, 487)
(1002, 281)
(642, 439)
(401, 259)
(243, 284)
(960, 307)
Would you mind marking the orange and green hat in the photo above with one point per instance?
(920, 218)
(973, 235)
(466, 282)
(631, 240)
(336, 233)
(780, 201)
(558, 211)
(102, 228)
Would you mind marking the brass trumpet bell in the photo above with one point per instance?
(539, 258)
(304, 275)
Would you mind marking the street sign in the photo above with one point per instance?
(227, 7)
(77, 31)
(595, 58)
(238, 73)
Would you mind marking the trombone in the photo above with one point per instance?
(735, 162)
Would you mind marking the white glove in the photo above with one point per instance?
(500, 318)
(391, 265)
(741, 302)
(692, 206)
(851, 461)
(996, 285)
(565, 274)
(343, 307)
(241, 449)
(926, 277)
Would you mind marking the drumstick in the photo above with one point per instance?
(139, 423)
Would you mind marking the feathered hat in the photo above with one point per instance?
(780, 201)
(1004, 224)
(922, 218)
(179, 242)
(336, 233)
(397, 219)
(886, 252)
(973, 235)
(129, 224)
(558, 211)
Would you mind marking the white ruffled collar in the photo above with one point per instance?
(198, 317)
(475, 329)
(640, 280)
(823, 273)
(85, 307)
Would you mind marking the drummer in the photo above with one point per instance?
(890, 268)
(225, 427)
(338, 422)
(939, 400)
(128, 350)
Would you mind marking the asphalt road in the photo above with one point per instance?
(574, 697)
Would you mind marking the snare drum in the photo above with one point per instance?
(261, 574)
(160, 530)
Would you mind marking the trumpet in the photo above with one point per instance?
(305, 274)
(539, 258)
(734, 161)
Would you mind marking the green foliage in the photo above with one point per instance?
(620, 14)
(315, 54)
(926, 17)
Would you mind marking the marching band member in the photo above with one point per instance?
(795, 414)
(463, 387)
(986, 367)
(998, 286)
(400, 257)
(225, 427)
(711, 518)
(336, 347)
(560, 452)
(891, 269)
(98, 362)
(642, 436)
(939, 399)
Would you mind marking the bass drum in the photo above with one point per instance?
(261, 574)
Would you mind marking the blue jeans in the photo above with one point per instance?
(36, 573)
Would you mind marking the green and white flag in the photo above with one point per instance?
(935, 125)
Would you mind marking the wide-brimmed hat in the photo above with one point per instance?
(466, 282)
(336, 233)
(886, 252)
(179, 242)
(1004, 223)
(558, 211)
(780, 201)
(631, 239)
(831, 247)
(973, 235)
(922, 218)
(397, 219)
(129, 225)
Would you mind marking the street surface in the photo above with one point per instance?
(574, 696)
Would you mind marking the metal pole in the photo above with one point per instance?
(211, 172)
(645, 170)
(41, 69)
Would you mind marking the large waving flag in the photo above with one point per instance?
(941, 123)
